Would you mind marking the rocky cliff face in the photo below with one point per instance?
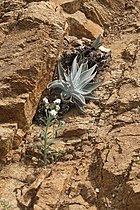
(100, 168)
(31, 35)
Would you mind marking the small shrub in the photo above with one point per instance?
(5, 204)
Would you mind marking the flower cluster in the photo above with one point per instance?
(52, 108)
(48, 135)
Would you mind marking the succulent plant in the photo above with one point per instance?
(97, 43)
(77, 85)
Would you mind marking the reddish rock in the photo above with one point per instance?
(7, 133)
(53, 187)
(96, 12)
(71, 6)
(80, 26)
(28, 55)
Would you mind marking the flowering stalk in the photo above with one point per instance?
(48, 137)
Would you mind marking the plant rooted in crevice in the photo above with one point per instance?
(42, 149)
(94, 53)
(77, 85)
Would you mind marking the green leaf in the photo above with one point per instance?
(81, 92)
(87, 74)
(77, 76)
(90, 96)
(82, 60)
(74, 68)
(39, 152)
(79, 104)
(92, 86)
(61, 72)
(56, 84)
(97, 43)
(85, 82)
(79, 98)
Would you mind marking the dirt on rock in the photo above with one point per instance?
(99, 168)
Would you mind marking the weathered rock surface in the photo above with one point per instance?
(71, 6)
(51, 186)
(30, 47)
(7, 134)
(31, 40)
(100, 168)
(107, 175)
(18, 174)
(31, 35)
(87, 27)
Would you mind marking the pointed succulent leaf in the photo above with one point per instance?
(58, 90)
(77, 76)
(92, 86)
(85, 82)
(81, 107)
(79, 97)
(61, 72)
(56, 84)
(76, 86)
(65, 95)
(71, 84)
(88, 80)
(74, 67)
(81, 60)
(97, 43)
(85, 66)
(82, 92)
(90, 96)
(86, 74)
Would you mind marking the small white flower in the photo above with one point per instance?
(97, 190)
(45, 100)
(53, 112)
(82, 47)
(62, 122)
(57, 108)
(57, 101)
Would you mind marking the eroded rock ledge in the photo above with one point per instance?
(32, 38)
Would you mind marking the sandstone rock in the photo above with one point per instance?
(129, 53)
(129, 96)
(92, 208)
(17, 173)
(114, 155)
(54, 187)
(2, 37)
(7, 133)
(107, 176)
(71, 6)
(28, 55)
(96, 12)
(18, 138)
(112, 99)
(126, 117)
(72, 130)
(76, 207)
(101, 12)
(117, 5)
(31, 43)
(10, 5)
(87, 28)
